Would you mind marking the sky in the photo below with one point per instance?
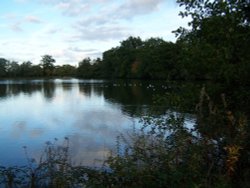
(71, 30)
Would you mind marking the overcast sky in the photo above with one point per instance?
(71, 30)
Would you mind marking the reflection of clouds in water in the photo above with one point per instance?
(18, 129)
(21, 129)
(89, 149)
(34, 133)
(97, 120)
(98, 131)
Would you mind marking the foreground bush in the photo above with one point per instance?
(166, 153)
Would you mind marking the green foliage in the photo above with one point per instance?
(215, 48)
(166, 153)
(47, 65)
(153, 58)
(65, 71)
(3, 64)
(84, 68)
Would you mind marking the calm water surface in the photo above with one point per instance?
(91, 113)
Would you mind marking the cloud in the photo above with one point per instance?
(66, 56)
(133, 8)
(16, 27)
(10, 16)
(76, 49)
(101, 33)
(102, 20)
(104, 11)
(52, 30)
(16, 23)
(32, 19)
(115, 13)
(12, 22)
(73, 8)
(94, 54)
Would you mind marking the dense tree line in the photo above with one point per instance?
(13, 69)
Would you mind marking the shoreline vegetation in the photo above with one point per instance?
(164, 153)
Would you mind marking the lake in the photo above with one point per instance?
(91, 113)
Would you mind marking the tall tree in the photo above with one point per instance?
(85, 68)
(47, 63)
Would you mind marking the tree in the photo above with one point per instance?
(84, 68)
(47, 65)
(157, 59)
(132, 43)
(217, 43)
(3, 64)
(13, 69)
(65, 70)
(110, 63)
(26, 69)
(37, 70)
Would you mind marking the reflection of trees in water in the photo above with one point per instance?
(85, 89)
(135, 97)
(91, 89)
(97, 90)
(27, 88)
(7, 90)
(67, 86)
(3, 91)
(48, 90)
(24, 88)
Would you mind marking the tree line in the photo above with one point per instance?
(215, 48)
(13, 69)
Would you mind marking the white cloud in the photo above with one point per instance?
(16, 27)
(52, 30)
(115, 12)
(16, 22)
(132, 8)
(73, 8)
(77, 49)
(101, 33)
(32, 19)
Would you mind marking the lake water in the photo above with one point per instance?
(91, 113)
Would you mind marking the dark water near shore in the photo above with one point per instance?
(91, 113)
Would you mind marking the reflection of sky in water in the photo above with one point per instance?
(92, 113)
(90, 122)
